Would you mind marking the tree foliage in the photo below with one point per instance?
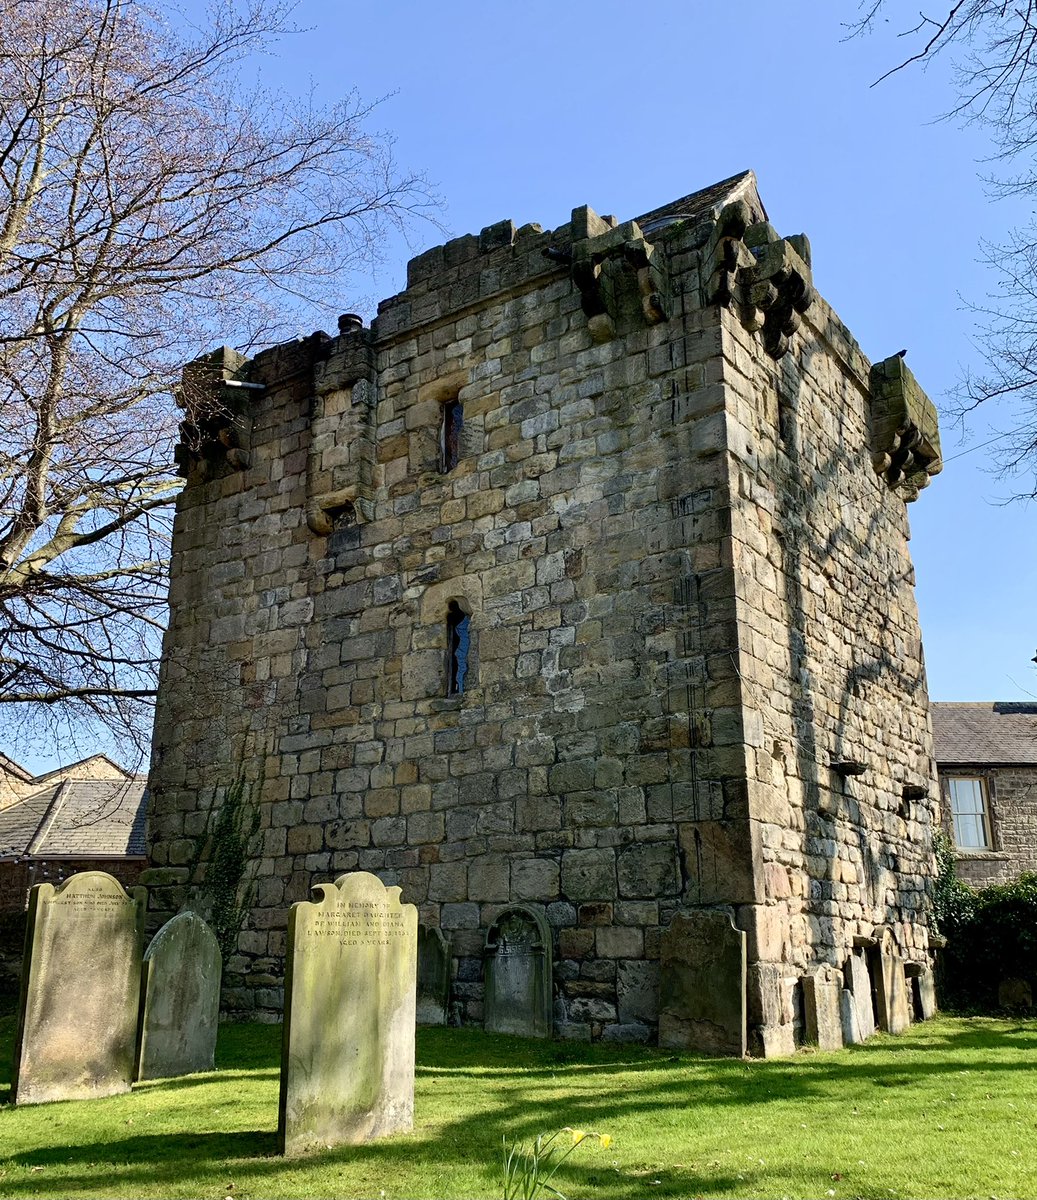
(148, 204)
(993, 50)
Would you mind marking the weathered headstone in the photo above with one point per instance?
(518, 994)
(347, 1048)
(856, 1004)
(433, 976)
(77, 1023)
(702, 983)
(1015, 993)
(179, 1000)
(891, 994)
(822, 990)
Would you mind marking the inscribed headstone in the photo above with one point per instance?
(702, 983)
(347, 1048)
(518, 994)
(77, 1023)
(821, 1007)
(180, 1000)
(856, 1005)
(433, 976)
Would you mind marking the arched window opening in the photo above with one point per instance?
(450, 435)
(458, 624)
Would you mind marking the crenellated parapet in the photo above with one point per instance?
(764, 277)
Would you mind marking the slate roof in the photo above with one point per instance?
(997, 733)
(78, 819)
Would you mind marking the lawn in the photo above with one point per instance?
(948, 1109)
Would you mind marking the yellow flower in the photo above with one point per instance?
(577, 1135)
(604, 1140)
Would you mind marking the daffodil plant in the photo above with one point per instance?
(528, 1171)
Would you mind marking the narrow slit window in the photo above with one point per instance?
(458, 625)
(450, 435)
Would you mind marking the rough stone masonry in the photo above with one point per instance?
(579, 579)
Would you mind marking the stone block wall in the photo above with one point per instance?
(690, 605)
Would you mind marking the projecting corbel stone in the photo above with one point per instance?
(217, 425)
(603, 253)
(905, 430)
(764, 277)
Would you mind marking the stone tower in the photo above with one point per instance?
(579, 579)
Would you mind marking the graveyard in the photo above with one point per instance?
(944, 1110)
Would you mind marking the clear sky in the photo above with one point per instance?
(526, 111)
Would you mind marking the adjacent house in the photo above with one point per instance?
(89, 816)
(986, 758)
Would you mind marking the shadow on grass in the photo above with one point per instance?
(504, 1085)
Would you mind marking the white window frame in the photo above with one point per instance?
(964, 812)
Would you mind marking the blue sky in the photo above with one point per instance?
(527, 111)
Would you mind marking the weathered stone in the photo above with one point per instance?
(670, 551)
(822, 1000)
(702, 980)
(433, 976)
(637, 987)
(856, 1007)
(891, 996)
(518, 974)
(347, 1050)
(1015, 994)
(180, 1000)
(77, 1020)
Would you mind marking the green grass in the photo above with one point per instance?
(948, 1109)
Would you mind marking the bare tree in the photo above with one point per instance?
(148, 204)
(993, 48)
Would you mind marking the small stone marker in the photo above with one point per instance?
(77, 1023)
(856, 1005)
(347, 1048)
(433, 976)
(518, 995)
(180, 1000)
(821, 1007)
(702, 981)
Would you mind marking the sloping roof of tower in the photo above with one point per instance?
(708, 201)
(82, 818)
(995, 733)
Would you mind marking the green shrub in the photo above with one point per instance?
(991, 935)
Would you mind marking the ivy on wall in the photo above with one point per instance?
(226, 884)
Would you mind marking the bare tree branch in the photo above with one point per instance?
(147, 205)
(993, 45)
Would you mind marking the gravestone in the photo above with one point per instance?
(1014, 993)
(891, 995)
(702, 983)
(347, 1047)
(433, 976)
(519, 990)
(822, 1001)
(857, 1008)
(77, 1022)
(179, 1000)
